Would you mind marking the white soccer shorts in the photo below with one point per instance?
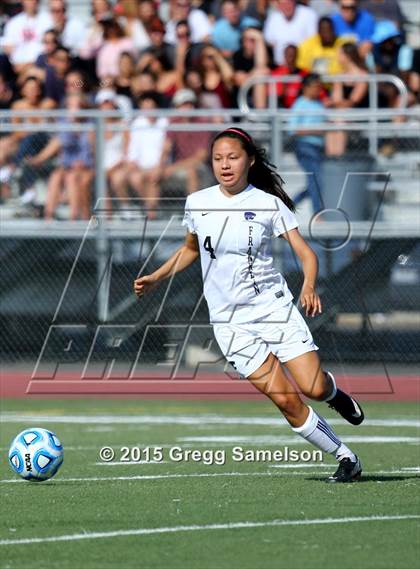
(284, 333)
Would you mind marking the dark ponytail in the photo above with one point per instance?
(262, 174)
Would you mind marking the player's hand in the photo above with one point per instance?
(145, 284)
(310, 301)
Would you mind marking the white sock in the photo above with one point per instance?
(334, 390)
(317, 431)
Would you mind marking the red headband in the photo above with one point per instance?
(236, 131)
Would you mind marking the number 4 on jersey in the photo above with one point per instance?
(207, 246)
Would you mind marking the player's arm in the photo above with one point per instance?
(308, 297)
(180, 260)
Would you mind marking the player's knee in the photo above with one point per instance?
(288, 403)
(318, 391)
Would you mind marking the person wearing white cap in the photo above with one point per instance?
(391, 55)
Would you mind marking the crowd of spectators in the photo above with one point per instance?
(184, 54)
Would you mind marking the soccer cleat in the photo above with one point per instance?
(347, 471)
(348, 408)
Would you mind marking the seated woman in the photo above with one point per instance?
(21, 144)
(348, 94)
(75, 172)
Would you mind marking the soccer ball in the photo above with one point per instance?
(36, 454)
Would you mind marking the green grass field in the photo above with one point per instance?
(190, 515)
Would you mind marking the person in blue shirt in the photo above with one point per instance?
(226, 34)
(355, 24)
(309, 142)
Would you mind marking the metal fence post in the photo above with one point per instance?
(103, 272)
(373, 104)
(276, 149)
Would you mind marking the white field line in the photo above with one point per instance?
(230, 441)
(147, 477)
(199, 419)
(285, 440)
(192, 475)
(209, 527)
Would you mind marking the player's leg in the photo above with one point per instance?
(320, 385)
(271, 380)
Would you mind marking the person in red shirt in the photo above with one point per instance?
(287, 93)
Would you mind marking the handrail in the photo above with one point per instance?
(272, 80)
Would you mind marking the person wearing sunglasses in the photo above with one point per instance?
(355, 24)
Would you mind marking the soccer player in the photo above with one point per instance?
(258, 328)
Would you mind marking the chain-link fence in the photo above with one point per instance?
(66, 288)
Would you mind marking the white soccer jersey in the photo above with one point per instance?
(234, 234)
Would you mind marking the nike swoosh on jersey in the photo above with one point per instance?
(207, 212)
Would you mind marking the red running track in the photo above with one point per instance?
(18, 384)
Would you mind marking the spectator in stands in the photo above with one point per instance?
(347, 94)
(217, 74)
(116, 142)
(146, 153)
(193, 81)
(226, 33)
(186, 54)
(391, 55)
(257, 9)
(23, 34)
(7, 70)
(156, 31)
(133, 26)
(6, 93)
(290, 23)
(115, 42)
(6, 99)
(101, 12)
(147, 12)
(308, 140)
(354, 24)
(189, 149)
(287, 93)
(198, 22)
(71, 31)
(385, 10)
(55, 75)
(160, 66)
(50, 43)
(142, 82)
(76, 82)
(22, 144)
(126, 72)
(75, 172)
(319, 53)
(251, 60)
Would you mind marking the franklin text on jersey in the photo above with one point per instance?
(234, 233)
